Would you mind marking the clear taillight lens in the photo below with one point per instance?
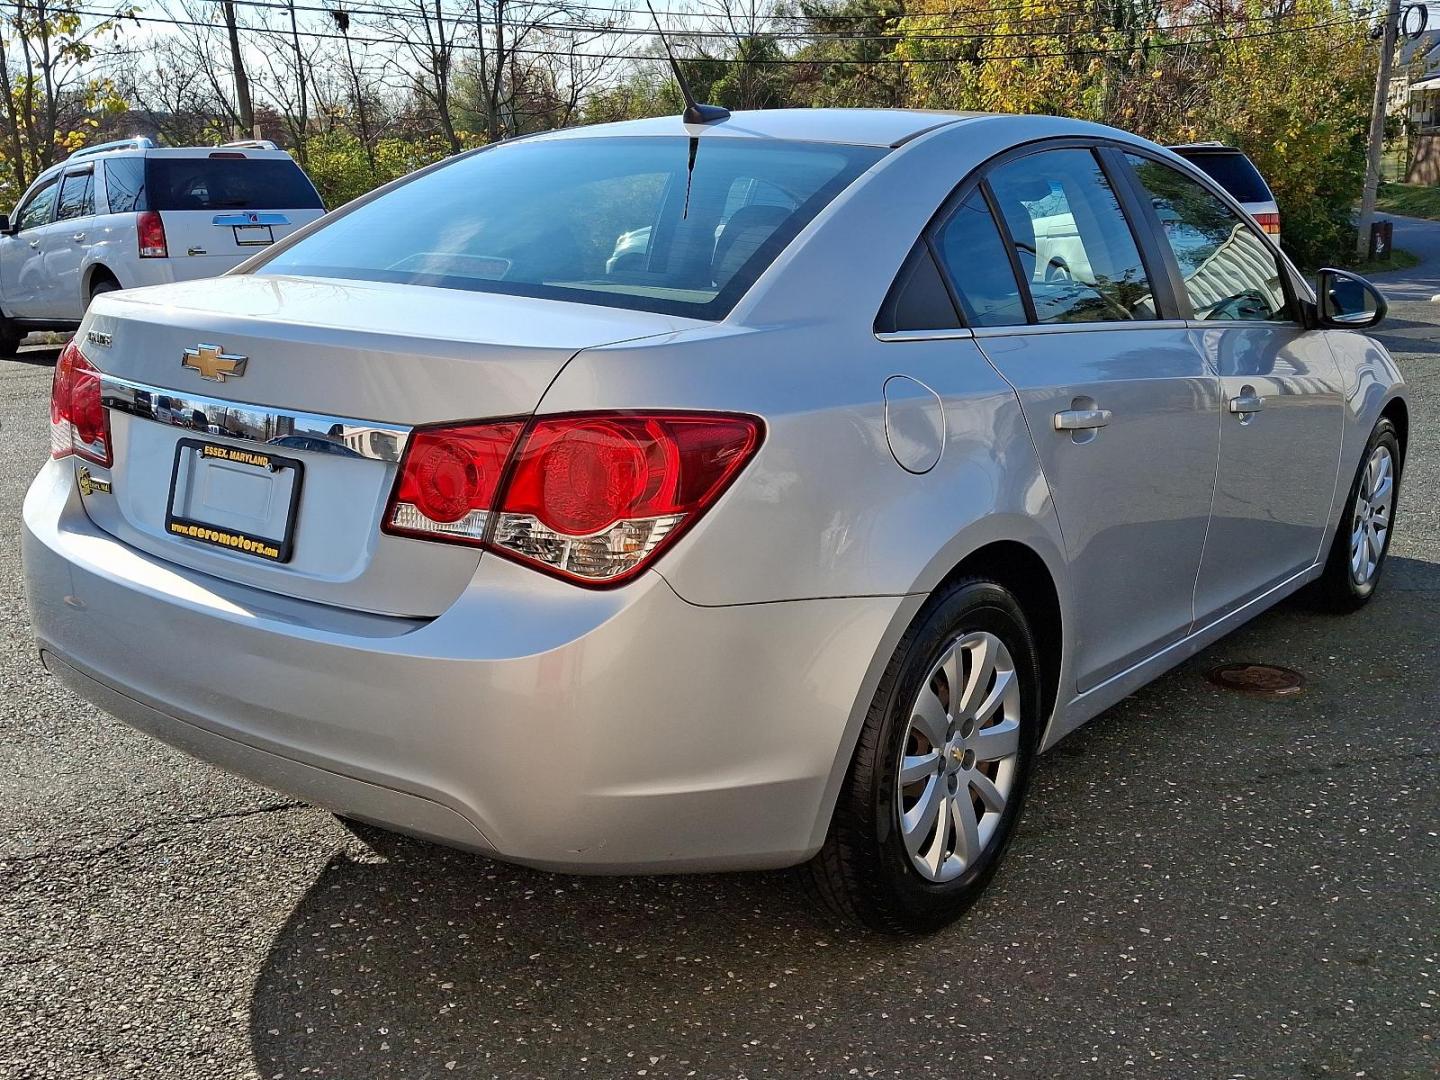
(152, 235)
(78, 421)
(591, 498)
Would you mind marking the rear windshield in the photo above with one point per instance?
(213, 183)
(1234, 172)
(661, 224)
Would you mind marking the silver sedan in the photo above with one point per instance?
(666, 496)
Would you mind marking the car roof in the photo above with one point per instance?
(863, 127)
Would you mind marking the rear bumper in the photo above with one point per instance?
(610, 731)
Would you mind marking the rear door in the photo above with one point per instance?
(1283, 418)
(1123, 411)
(221, 207)
(67, 241)
(23, 284)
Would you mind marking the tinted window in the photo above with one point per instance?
(77, 196)
(1234, 172)
(125, 184)
(974, 256)
(1076, 251)
(623, 222)
(918, 300)
(1229, 271)
(211, 183)
(36, 210)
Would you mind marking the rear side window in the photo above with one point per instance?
(974, 256)
(125, 184)
(216, 183)
(1076, 251)
(1235, 173)
(1229, 272)
(77, 196)
(918, 300)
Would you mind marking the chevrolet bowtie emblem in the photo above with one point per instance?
(212, 363)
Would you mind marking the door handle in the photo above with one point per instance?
(1081, 419)
(1248, 402)
(77, 237)
(34, 243)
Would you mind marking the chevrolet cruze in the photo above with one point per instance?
(667, 496)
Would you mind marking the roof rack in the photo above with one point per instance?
(252, 144)
(139, 142)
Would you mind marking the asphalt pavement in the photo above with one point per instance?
(1206, 884)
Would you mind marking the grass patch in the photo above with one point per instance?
(1411, 200)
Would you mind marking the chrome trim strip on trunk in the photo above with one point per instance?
(284, 428)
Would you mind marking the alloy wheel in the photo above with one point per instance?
(1370, 519)
(961, 750)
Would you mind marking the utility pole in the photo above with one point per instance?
(244, 108)
(1377, 128)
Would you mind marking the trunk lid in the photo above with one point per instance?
(304, 437)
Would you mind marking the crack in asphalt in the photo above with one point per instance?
(140, 830)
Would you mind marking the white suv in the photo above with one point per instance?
(126, 214)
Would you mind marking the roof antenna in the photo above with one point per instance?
(694, 113)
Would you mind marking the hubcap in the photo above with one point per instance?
(958, 765)
(1370, 521)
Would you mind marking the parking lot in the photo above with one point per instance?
(1207, 884)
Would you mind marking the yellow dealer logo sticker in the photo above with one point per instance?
(251, 545)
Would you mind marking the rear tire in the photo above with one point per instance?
(103, 285)
(881, 865)
(1354, 565)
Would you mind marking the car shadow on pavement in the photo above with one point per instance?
(39, 355)
(404, 958)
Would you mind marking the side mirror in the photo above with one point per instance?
(1347, 301)
(5, 224)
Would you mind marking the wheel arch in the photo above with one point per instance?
(1022, 570)
(1398, 413)
(97, 271)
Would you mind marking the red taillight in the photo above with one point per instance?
(448, 482)
(1270, 223)
(152, 235)
(78, 421)
(590, 498)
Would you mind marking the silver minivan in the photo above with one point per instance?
(672, 496)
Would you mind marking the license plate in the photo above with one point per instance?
(233, 497)
(254, 235)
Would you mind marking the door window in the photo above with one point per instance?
(36, 210)
(1077, 254)
(77, 196)
(1230, 273)
(974, 256)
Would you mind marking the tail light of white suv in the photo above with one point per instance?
(591, 498)
(150, 228)
(79, 424)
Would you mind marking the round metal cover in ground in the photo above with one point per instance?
(1267, 679)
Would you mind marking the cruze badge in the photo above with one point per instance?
(213, 363)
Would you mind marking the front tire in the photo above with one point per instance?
(1357, 554)
(10, 337)
(938, 780)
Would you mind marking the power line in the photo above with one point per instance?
(777, 62)
(465, 20)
